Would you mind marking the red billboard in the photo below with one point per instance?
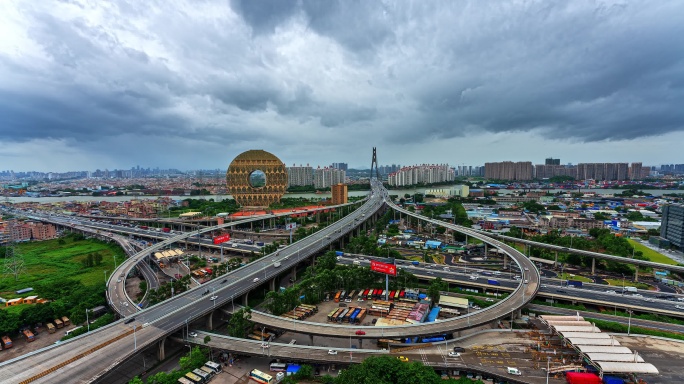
(221, 239)
(387, 269)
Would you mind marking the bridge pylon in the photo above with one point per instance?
(374, 162)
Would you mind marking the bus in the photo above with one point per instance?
(183, 380)
(194, 378)
(337, 297)
(343, 295)
(204, 375)
(391, 295)
(347, 316)
(396, 295)
(402, 294)
(69, 332)
(261, 377)
(350, 297)
(314, 308)
(213, 366)
(385, 343)
(331, 315)
(359, 318)
(352, 318)
(341, 315)
(370, 294)
(278, 367)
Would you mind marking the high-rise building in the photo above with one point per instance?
(339, 194)
(299, 176)
(552, 161)
(326, 177)
(508, 170)
(341, 166)
(672, 225)
(421, 174)
(602, 171)
(635, 171)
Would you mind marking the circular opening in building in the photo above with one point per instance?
(257, 179)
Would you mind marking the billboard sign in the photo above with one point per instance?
(290, 226)
(221, 239)
(387, 269)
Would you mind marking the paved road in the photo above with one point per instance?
(84, 358)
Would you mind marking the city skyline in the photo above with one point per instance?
(190, 86)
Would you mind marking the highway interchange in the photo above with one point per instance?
(64, 363)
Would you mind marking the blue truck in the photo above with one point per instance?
(415, 263)
(574, 283)
(492, 282)
(339, 253)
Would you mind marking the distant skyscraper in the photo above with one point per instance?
(340, 166)
(552, 161)
(299, 176)
(508, 170)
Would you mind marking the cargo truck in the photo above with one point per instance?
(339, 253)
(58, 323)
(6, 342)
(574, 283)
(65, 320)
(629, 289)
(28, 335)
(492, 282)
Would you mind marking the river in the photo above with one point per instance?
(400, 192)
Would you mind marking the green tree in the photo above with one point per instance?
(207, 339)
(435, 287)
(136, 380)
(239, 324)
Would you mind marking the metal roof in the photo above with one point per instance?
(586, 335)
(569, 323)
(612, 367)
(585, 341)
(615, 357)
(560, 318)
(571, 328)
(603, 349)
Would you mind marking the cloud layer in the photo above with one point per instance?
(191, 84)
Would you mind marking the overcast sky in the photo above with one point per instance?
(192, 84)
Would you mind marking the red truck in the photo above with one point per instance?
(166, 230)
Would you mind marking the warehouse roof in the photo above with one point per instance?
(612, 367)
(585, 341)
(616, 357)
(603, 349)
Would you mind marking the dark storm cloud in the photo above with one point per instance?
(342, 72)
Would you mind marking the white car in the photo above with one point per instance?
(489, 300)
(679, 306)
(213, 298)
(454, 354)
(264, 345)
(473, 277)
(332, 352)
(192, 334)
(611, 292)
(255, 279)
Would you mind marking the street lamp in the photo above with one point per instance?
(548, 362)
(135, 340)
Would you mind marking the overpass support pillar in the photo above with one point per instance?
(245, 299)
(485, 254)
(161, 355)
(593, 266)
(555, 264)
(360, 343)
(294, 273)
(272, 284)
(210, 321)
(505, 261)
(636, 273)
(311, 340)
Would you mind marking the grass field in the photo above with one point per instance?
(651, 254)
(569, 276)
(47, 261)
(628, 283)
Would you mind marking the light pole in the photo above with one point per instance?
(548, 362)
(135, 340)
(87, 322)
(629, 322)
(232, 303)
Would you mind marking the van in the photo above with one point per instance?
(513, 371)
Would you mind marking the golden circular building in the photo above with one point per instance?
(256, 178)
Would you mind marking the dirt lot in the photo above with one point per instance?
(43, 339)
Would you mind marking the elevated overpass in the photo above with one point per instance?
(86, 357)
